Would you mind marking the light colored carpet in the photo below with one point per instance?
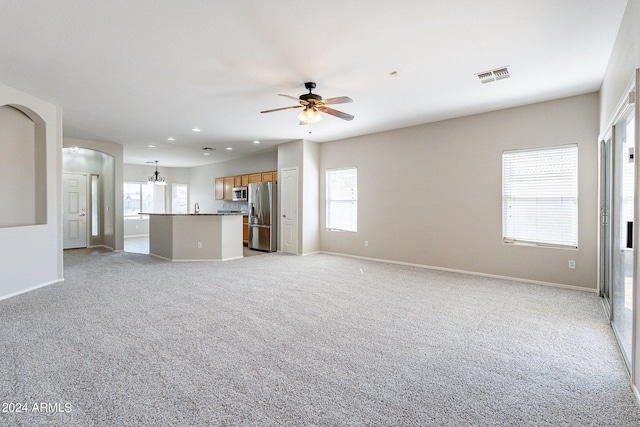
(128, 339)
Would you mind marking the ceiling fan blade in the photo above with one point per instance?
(290, 97)
(280, 109)
(337, 100)
(336, 113)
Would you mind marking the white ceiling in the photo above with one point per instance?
(137, 72)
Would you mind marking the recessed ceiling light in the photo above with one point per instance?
(151, 146)
(171, 138)
(256, 141)
(229, 148)
(207, 150)
(206, 153)
(195, 129)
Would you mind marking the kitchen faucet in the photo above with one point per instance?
(196, 209)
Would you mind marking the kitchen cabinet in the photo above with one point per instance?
(219, 194)
(225, 185)
(228, 187)
(245, 230)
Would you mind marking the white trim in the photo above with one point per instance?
(195, 260)
(622, 105)
(100, 246)
(313, 253)
(636, 393)
(3, 297)
(471, 273)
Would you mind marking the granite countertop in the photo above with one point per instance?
(193, 214)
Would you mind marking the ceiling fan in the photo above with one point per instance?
(313, 104)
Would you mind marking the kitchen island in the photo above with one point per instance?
(195, 237)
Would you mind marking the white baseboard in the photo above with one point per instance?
(636, 393)
(195, 260)
(33, 288)
(471, 273)
(101, 246)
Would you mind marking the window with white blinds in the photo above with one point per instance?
(540, 196)
(342, 199)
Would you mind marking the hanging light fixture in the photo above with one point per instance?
(309, 115)
(156, 178)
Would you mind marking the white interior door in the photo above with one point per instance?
(289, 198)
(74, 199)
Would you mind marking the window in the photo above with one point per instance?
(95, 206)
(540, 196)
(342, 199)
(142, 198)
(179, 199)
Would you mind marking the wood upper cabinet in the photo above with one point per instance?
(225, 185)
(219, 189)
(228, 187)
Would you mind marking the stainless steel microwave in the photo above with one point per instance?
(239, 194)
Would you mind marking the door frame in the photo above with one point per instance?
(281, 181)
(605, 229)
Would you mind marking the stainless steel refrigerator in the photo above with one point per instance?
(262, 216)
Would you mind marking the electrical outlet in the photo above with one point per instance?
(366, 243)
(199, 245)
(572, 264)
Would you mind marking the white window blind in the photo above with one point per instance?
(179, 198)
(540, 196)
(342, 199)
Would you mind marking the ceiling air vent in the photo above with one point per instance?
(486, 77)
(493, 75)
(501, 73)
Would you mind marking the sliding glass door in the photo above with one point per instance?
(622, 231)
(606, 166)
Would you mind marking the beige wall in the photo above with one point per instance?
(18, 169)
(31, 255)
(624, 60)
(431, 194)
(311, 197)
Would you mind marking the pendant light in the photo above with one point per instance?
(156, 178)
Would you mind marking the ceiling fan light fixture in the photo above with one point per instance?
(309, 115)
